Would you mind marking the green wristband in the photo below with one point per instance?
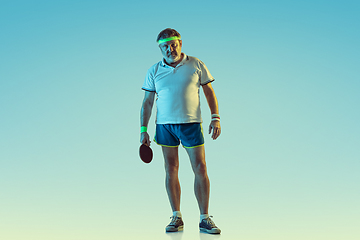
(143, 129)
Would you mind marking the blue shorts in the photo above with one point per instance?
(170, 135)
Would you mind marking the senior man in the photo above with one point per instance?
(176, 80)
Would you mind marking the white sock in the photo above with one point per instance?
(177, 214)
(203, 216)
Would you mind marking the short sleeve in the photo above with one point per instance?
(149, 83)
(205, 75)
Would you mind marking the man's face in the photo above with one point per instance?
(171, 50)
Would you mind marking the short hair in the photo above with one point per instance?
(168, 32)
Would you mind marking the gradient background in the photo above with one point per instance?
(287, 79)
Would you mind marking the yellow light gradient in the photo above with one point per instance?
(286, 166)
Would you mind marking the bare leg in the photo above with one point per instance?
(172, 180)
(202, 183)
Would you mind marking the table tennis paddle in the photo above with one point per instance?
(146, 153)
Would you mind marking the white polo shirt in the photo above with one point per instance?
(177, 89)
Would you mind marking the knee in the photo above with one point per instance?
(200, 169)
(171, 168)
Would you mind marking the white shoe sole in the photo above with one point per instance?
(180, 228)
(212, 231)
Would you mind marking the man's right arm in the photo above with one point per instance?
(145, 114)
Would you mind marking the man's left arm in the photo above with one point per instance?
(213, 105)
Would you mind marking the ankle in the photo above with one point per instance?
(203, 216)
(177, 214)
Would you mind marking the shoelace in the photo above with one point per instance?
(174, 219)
(210, 222)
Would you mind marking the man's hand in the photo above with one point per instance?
(145, 138)
(216, 128)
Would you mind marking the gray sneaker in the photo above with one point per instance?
(175, 225)
(207, 225)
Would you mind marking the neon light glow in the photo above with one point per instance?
(168, 39)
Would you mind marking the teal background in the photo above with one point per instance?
(287, 80)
